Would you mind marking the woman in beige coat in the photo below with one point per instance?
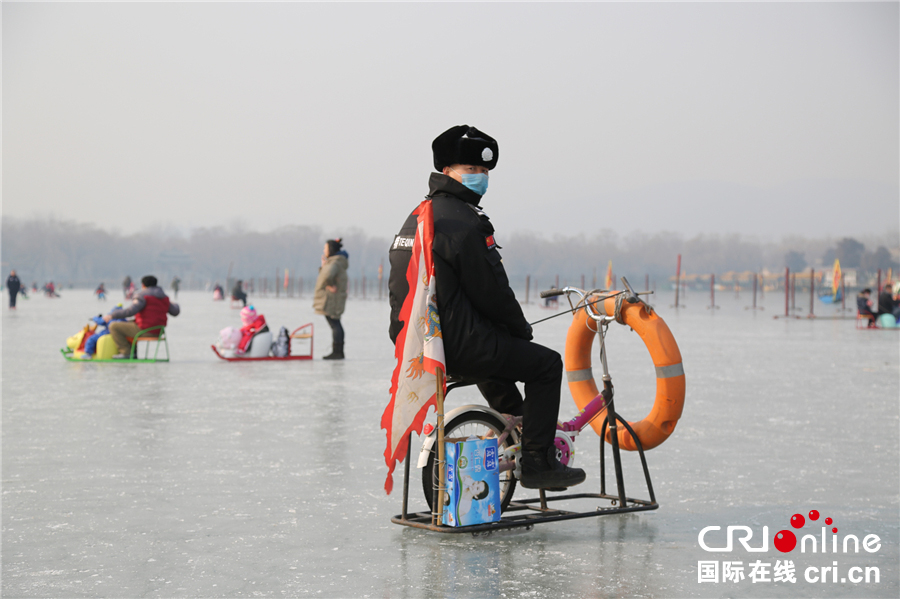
(330, 295)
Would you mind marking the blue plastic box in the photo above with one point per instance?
(473, 482)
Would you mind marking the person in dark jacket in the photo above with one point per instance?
(897, 301)
(238, 294)
(885, 301)
(486, 337)
(13, 285)
(864, 306)
(149, 308)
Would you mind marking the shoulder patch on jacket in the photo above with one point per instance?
(491, 242)
(477, 210)
(403, 242)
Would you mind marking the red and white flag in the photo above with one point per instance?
(419, 349)
(836, 278)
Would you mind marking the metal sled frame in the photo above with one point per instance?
(528, 512)
(301, 332)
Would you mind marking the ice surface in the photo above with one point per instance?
(202, 478)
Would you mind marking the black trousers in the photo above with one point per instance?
(540, 368)
(337, 333)
(12, 297)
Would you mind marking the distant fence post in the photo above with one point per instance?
(677, 280)
(812, 291)
(794, 291)
(787, 289)
(380, 276)
(755, 285)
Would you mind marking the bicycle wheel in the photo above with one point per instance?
(465, 425)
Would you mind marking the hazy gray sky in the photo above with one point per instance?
(754, 118)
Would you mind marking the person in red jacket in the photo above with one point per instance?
(150, 308)
(253, 325)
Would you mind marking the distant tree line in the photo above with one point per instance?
(79, 254)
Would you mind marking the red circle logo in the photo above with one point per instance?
(785, 541)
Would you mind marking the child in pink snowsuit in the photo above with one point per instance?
(253, 324)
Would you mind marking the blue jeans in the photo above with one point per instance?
(90, 346)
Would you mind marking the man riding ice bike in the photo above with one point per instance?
(485, 334)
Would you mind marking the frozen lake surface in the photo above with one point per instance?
(202, 478)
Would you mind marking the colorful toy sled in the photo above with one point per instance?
(106, 347)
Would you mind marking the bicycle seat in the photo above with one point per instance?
(455, 380)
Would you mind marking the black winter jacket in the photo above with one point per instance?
(478, 309)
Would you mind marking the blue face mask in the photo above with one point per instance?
(477, 182)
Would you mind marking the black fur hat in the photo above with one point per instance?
(464, 145)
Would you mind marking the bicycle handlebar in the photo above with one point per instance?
(631, 298)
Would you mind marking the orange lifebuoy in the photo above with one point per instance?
(659, 424)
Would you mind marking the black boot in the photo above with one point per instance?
(337, 352)
(541, 470)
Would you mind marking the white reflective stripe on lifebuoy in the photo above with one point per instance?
(576, 376)
(667, 372)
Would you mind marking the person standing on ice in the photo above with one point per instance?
(484, 331)
(330, 295)
(13, 285)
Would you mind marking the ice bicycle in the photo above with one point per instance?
(592, 315)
